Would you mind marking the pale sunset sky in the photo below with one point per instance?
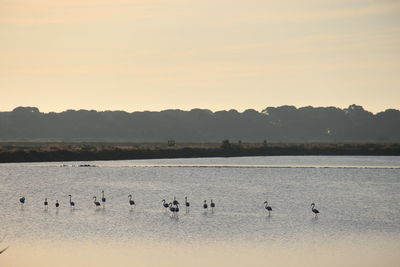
(139, 55)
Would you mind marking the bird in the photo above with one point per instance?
(103, 199)
(165, 204)
(187, 203)
(267, 207)
(205, 206)
(45, 203)
(22, 200)
(313, 209)
(212, 205)
(131, 202)
(57, 204)
(71, 203)
(96, 202)
(175, 202)
(171, 208)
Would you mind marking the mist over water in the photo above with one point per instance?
(359, 212)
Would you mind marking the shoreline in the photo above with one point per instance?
(60, 152)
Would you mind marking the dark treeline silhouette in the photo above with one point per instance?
(89, 152)
(274, 124)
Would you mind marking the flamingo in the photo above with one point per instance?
(267, 207)
(22, 200)
(96, 202)
(45, 203)
(131, 202)
(313, 209)
(205, 206)
(187, 203)
(171, 208)
(103, 199)
(212, 205)
(175, 202)
(71, 203)
(57, 204)
(166, 205)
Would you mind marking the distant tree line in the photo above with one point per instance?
(273, 124)
(90, 152)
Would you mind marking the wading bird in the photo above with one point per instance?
(165, 204)
(313, 209)
(103, 199)
(187, 203)
(171, 208)
(175, 202)
(96, 202)
(57, 204)
(71, 203)
(45, 203)
(267, 207)
(131, 202)
(205, 206)
(22, 200)
(212, 205)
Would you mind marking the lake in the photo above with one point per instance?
(358, 198)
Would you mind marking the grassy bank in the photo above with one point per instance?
(88, 152)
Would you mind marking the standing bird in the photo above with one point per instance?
(22, 200)
(313, 209)
(175, 202)
(187, 203)
(57, 204)
(103, 199)
(171, 208)
(212, 205)
(45, 203)
(96, 202)
(71, 203)
(205, 206)
(267, 207)
(131, 202)
(165, 204)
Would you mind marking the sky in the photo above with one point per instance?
(137, 55)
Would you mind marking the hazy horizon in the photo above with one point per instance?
(157, 54)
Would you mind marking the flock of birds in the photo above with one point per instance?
(173, 206)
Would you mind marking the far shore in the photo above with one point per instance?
(51, 152)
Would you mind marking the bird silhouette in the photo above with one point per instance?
(96, 203)
(22, 201)
(205, 206)
(71, 203)
(267, 207)
(103, 199)
(171, 208)
(313, 209)
(165, 204)
(131, 202)
(175, 202)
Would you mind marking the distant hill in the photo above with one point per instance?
(273, 124)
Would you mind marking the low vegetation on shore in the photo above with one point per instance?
(33, 152)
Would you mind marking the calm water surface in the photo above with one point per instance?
(358, 198)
